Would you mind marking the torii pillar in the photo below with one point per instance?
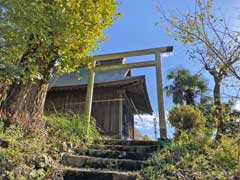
(157, 63)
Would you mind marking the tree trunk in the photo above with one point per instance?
(217, 91)
(189, 96)
(24, 104)
(217, 102)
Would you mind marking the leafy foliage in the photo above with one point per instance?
(230, 126)
(195, 152)
(71, 127)
(186, 118)
(146, 138)
(37, 34)
(39, 37)
(19, 151)
(185, 87)
(33, 156)
(211, 39)
(215, 43)
(192, 157)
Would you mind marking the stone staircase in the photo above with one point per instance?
(109, 160)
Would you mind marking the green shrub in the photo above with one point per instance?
(186, 117)
(17, 156)
(71, 128)
(21, 144)
(11, 138)
(225, 153)
(230, 126)
(185, 158)
(146, 138)
(26, 152)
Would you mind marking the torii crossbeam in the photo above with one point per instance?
(156, 62)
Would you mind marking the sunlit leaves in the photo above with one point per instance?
(209, 4)
(208, 34)
(34, 33)
(192, 156)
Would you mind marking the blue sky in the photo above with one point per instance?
(138, 30)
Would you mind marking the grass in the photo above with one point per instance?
(33, 156)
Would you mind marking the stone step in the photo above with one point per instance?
(128, 142)
(113, 154)
(102, 163)
(132, 148)
(97, 174)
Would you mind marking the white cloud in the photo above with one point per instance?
(237, 106)
(164, 55)
(145, 123)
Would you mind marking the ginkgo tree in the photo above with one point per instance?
(38, 37)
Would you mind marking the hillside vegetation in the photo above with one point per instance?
(25, 155)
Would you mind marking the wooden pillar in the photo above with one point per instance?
(161, 111)
(89, 94)
(120, 117)
(156, 62)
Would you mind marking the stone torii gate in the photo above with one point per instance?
(157, 63)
